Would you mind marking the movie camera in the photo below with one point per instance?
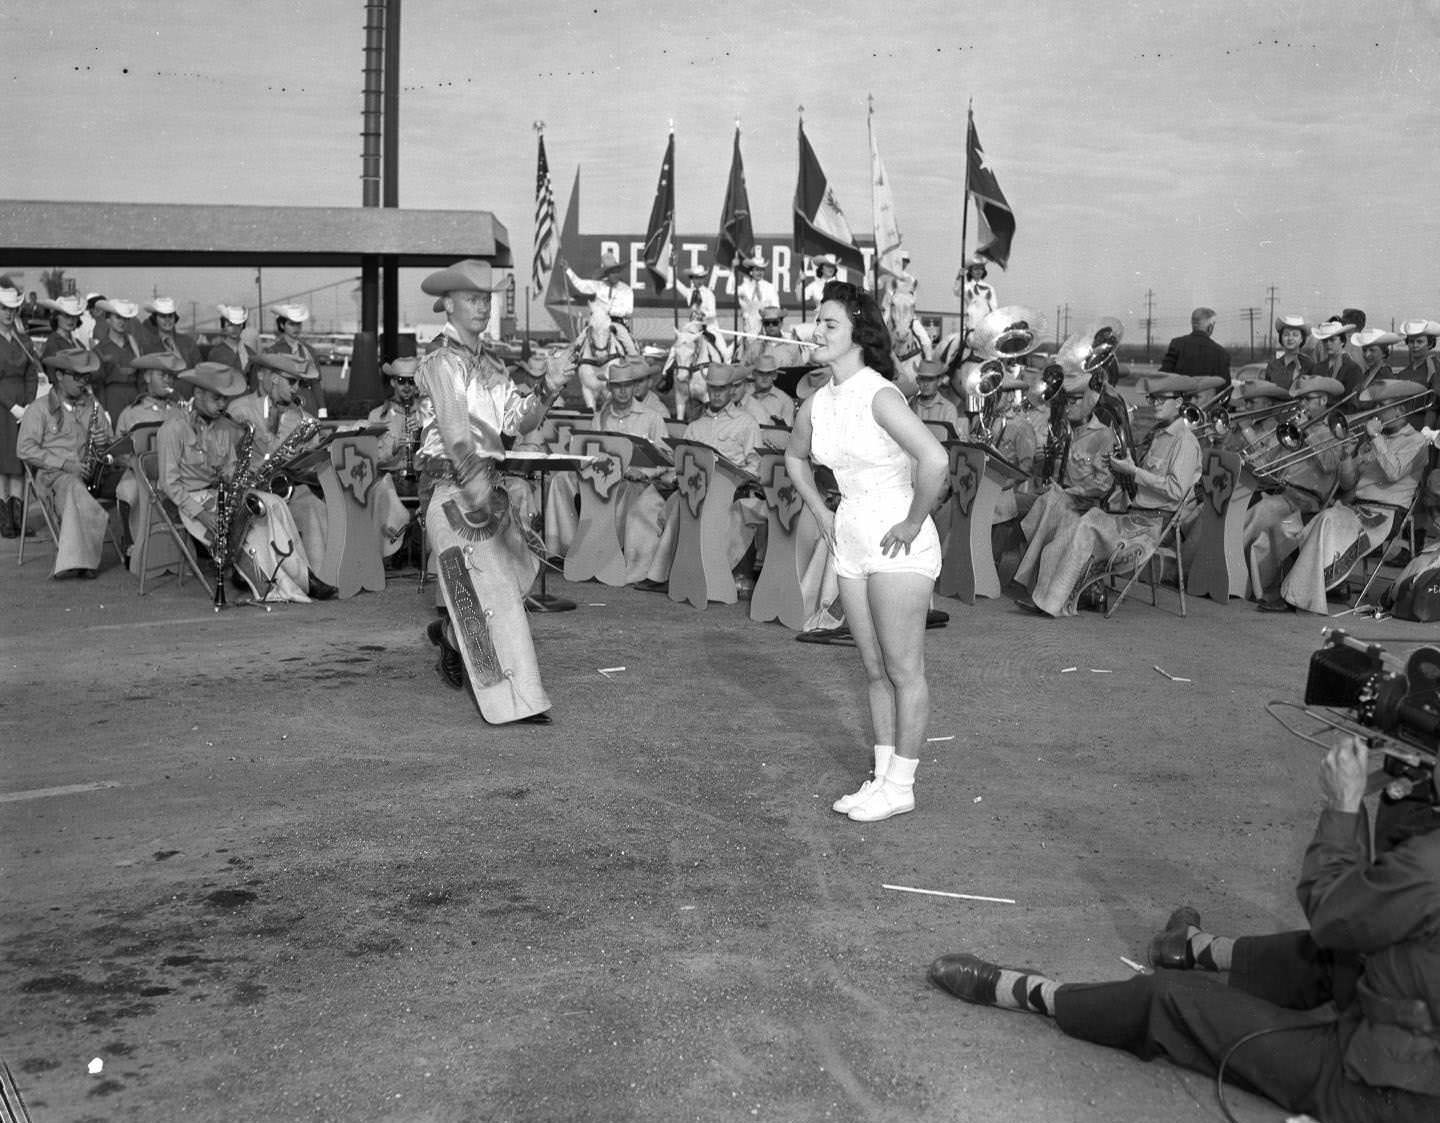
(1363, 691)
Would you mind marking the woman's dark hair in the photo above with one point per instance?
(867, 325)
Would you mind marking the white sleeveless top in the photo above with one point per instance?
(870, 467)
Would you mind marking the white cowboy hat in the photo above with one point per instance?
(161, 306)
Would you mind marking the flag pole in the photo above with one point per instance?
(874, 218)
(674, 226)
(965, 216)
(525, 348)
(800, 109)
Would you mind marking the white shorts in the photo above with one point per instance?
(858, 531)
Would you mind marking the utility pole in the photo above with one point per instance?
(1067, 322)
(1149, 319)
(1057, 325)
(1270, 325)
(1250, 314)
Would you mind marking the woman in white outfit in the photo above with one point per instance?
(891, 471)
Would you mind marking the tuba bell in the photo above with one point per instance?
(1092, 347)
(1007, 333)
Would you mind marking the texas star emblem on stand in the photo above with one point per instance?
(781, 495)
(690, 477)
(1217, 485)
(357, 473)
(603, 471)
(965, 483)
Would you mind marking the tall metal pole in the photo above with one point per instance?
(371, 176)
(390, 270)
(965, 219)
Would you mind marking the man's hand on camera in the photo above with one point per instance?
(1343, 774)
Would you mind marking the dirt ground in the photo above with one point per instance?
(265, 866)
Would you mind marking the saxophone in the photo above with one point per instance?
(92, 462)
(236, 507)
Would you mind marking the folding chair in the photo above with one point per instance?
(1169, 547)
(32, 491)
(1404, 528)
(162, 516)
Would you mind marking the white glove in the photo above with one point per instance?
(17, 412)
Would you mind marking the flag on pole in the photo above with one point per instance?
(660, 234)
(544, 220)
(997, 220)
(882, 204)
(737, 232)
(820, 225)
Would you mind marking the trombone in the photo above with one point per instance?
(1213, 423)
(1340, 427)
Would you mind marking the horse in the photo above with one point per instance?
(600, 344)
(909, 341)
(690, 356)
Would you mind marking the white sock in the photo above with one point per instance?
(883, 753)
(901, 772)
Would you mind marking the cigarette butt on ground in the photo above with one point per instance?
(1100, 671)
(610, 670)
(929, 740)
(1067, 670)
(943, 893)
(1130, 963)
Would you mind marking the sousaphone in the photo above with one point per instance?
(1091, 347)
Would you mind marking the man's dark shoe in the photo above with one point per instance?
(542, 718)
(8, 529)
(934, 618)
(1274, 606)
(451, 664)
(966, 976)
(319, 590)
(1025, 604)
(1093, 599)
(649, 586)
(1170, 949)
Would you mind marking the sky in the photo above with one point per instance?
(1199, 152)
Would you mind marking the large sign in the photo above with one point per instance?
(582, 253)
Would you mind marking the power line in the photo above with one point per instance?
(1250, 314)
(1270, 326)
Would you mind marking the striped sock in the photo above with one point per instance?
(1211, 953)
(1019, 990)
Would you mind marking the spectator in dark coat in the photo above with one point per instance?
(1196, 354)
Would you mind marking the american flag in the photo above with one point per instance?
(544, 222)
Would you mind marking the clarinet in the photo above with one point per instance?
(92, 463)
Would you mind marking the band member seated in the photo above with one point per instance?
(154, 405)
(814, 378)
(197, 454)
(484, 559)
(61, 436)
(639, 505)
(610, 295)
(1014, 438)
(778, 341)
(1082, 477)
(1370, 949)
(734, 434)
(764, 402)
(929, 404)
(403, 417)
(1163, 481)
(1377, 482)
(275, 408)
(1294, 490)
(1290, 362)
(289, 327)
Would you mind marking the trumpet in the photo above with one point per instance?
(1208, 423)
(1293, 434)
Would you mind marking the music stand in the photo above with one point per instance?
(526, 463)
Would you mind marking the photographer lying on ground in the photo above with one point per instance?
(1373, 950)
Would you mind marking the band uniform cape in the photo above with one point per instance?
(483, 562)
